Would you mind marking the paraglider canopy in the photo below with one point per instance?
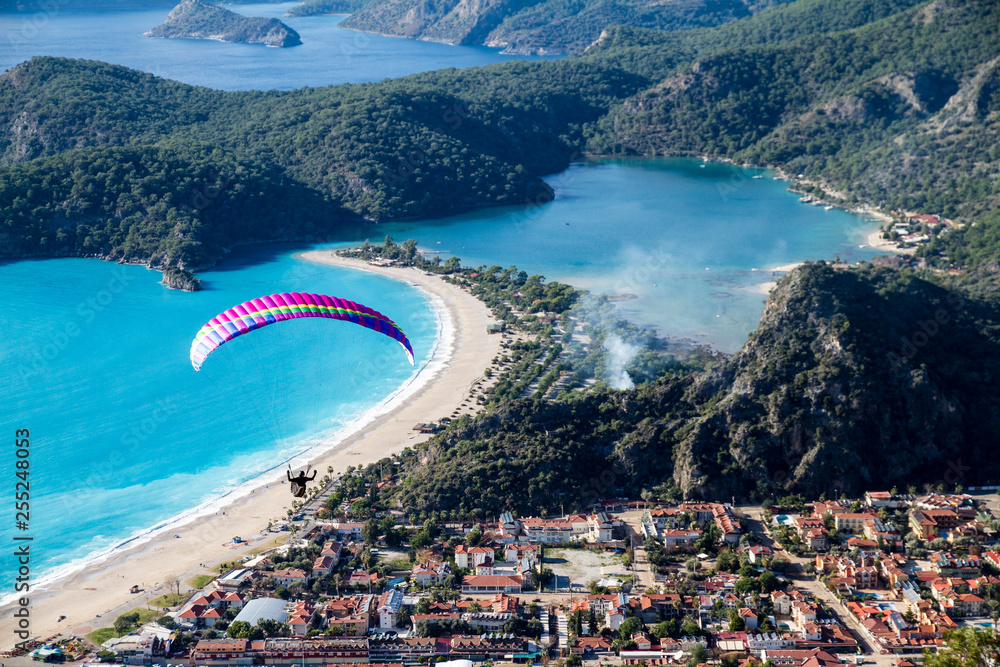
(266, 310)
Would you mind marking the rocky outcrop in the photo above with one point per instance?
(195, 19)
(181, 279)
(853, 380)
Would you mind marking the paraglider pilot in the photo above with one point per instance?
(299, 482)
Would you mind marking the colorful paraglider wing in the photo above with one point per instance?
(266, 310)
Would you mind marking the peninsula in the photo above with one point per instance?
(195, 19)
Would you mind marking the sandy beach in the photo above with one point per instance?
(785, 268)
(94, 596)
(875, 240)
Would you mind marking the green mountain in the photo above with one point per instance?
(899, 112)
(855, 379)
(538, 26)
(196, 19)
(322, 7)
(897, 106)
(393, 149)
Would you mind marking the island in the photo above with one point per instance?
(195, 19)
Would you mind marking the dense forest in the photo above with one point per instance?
(886, 102)
(319, 7)
(399, 148)
(897, 112)
(855, 379)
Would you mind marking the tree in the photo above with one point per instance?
(239, 630)
(737, 624)
(174, 584)
(422, 540)
(370, 531)
(968, 647)
(474, 536)
(126, 622)
(727, 562)
(629, 627)
(573, 660)
(746, 585)
(699, 654)
(768, 582)
(271, 628)
(690, 627)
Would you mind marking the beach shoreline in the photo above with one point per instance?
(93, 596)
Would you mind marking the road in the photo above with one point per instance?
(753, 520)
(645, 577)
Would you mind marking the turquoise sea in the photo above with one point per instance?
(126, 436)
(692, 241)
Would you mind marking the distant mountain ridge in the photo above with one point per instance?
(196, 19)
(43, 5)
(879, 101)
(537, 26)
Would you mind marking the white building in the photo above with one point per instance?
(469, 557)
(388, 609)
(771, 641)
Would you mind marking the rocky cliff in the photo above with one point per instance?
(181, 279)
(538, 26)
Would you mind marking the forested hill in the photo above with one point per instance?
(426, 144)
(854, 379)
(901, 112)
(538, 26)
(898, 106)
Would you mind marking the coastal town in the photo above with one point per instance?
(648, 582)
